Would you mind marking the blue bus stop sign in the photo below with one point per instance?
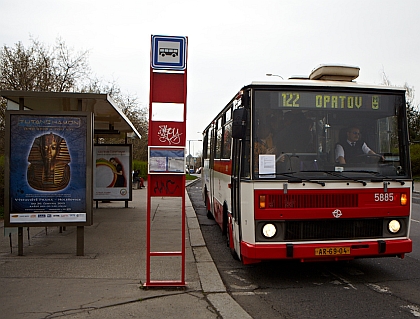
(169, 52)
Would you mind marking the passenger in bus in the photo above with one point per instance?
(264, 143)
(353, 148)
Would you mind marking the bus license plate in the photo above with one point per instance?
(332, 251)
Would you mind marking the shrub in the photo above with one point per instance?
(1, 181)
(142, 167)
(415, 159)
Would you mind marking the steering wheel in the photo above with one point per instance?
(372, 158)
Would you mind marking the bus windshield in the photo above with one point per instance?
(309, 134)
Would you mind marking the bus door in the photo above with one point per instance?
(239, 130)
(211, 168)
(235, 191)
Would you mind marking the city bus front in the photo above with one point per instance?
(328, 173)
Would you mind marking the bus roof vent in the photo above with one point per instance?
(335, 72)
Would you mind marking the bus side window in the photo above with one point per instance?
(219, 137)
(227, 140)
(205, 154)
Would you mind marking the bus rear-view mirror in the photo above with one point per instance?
(239, 123)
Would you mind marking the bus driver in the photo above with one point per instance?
(348, 151)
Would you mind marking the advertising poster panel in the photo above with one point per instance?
(112, 173)
(48, 168)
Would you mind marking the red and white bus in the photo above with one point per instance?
(282, 181)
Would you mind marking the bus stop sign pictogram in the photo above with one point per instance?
(168, 52)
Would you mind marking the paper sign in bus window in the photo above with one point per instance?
(267, 165)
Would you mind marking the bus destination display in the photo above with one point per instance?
(332, 100)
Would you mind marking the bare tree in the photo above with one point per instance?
(40, 68)
(138, 117)
(413, 112)
(130, 106)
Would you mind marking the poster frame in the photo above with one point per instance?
(129, 178)
(165, 157)
(86, 139)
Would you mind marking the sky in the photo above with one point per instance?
(230, 43)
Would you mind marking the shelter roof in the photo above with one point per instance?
(109, 120)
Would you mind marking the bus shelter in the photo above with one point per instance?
(51, 159)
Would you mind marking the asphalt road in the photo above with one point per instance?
(366, 288)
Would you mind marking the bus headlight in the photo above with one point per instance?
(269, 230)
(394, 226)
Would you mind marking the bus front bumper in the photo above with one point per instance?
(253, 253)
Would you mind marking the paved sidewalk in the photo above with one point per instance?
(50, 281)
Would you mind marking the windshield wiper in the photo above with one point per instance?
(340, 175)
(382, 177)
(379, 178)
(295, 179)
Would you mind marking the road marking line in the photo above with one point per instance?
(413, 309)
(348, 283)
(248, 293)
(380, 289)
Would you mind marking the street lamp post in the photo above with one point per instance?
(189, 152)
(270, 74)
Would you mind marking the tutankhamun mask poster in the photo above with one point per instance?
(48, 166)
(49, 160)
